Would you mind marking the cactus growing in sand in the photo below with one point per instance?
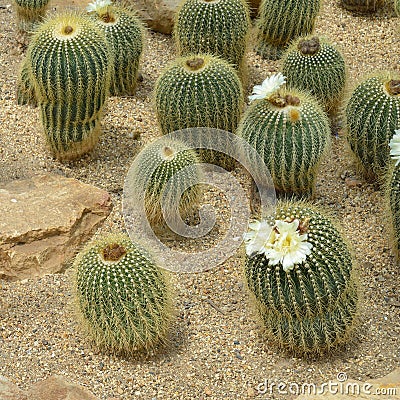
(372, 115)
(290, 131)
(218, 27)
(123, 298)
(300, 273)
(282, 21)
(69, 63)
(362, 5)
(29, 13)
(315, 65)
(125, 35)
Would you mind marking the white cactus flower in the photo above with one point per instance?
(269, 86)
(256, 237)
(98, 5)
(394, 145)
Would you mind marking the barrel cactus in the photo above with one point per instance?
(315, 65)
(362, 5)
(125, 34)
(168, 173)
(290, 131)
(29, 13)
(70, 70)
(25, 90)
(218, 27)
(282, 21)
(372, 114)
(123, 298)
(299, 272)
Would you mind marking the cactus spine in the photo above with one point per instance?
(70, 66)
(218, 27)
(123, 298)
(372, 114)
(302, 280)
(291, 132)
(362, 5)
(281, 21)
(125, 34)
(25, 90)
(168, 173)
(315, 65)
(29, 13)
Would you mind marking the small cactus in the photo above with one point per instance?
(218, 27)
(29, 13)
(291, 132)
(282, 21)
(198, 91)
(125, 35)
(372, 114)
(300, 273)
(25, 90)
(362, 5)
(69, 62)
(397, 7)
(315, 65)
(123, 298)
(168, 173)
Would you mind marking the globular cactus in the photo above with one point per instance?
(70, 65)
(29, 13)
(315, 65)
(25, 90)
(362, 5)
(218, 27)
(291, 132)
(168, 173)
(299, 271)
(282, 21)
(372, 114)
(198, 91)
(123, 298)
(125, 35)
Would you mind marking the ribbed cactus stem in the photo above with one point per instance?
(30, 13)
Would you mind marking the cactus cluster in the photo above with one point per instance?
(168, 173)
(282, 21)
(29, 13)
(291, 132)
(125, 35)
(315, 65)
(372, 114)
(123, 298)
(69, 66)
(218, 27)
(302, 280)
(362, 5)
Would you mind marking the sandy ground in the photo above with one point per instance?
(216, 350)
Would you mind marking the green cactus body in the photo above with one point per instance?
(315, 65)
(198, 91)
(309, 306)
(218, 27)
(167, 162)
(123, 298)
(125, 34)
(30, 12)
(362, 5)
(70, 65)
(291, 132)
(397, 7)
(393, 192)
(25, 90)
(372, 115)
(282, 21)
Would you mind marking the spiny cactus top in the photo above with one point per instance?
(70, 65)
(290, 131)
(125, 34)
(198, 91)
(372, 115)
(123, 298)
(315, 65)
(219, 27)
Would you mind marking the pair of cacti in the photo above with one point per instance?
(300, 274)
(72, 64)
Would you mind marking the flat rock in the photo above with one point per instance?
(43, 222)
(9, 391)
(57, 388)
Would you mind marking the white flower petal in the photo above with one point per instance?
(269, 86)
(97, 5)
(394, 145)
